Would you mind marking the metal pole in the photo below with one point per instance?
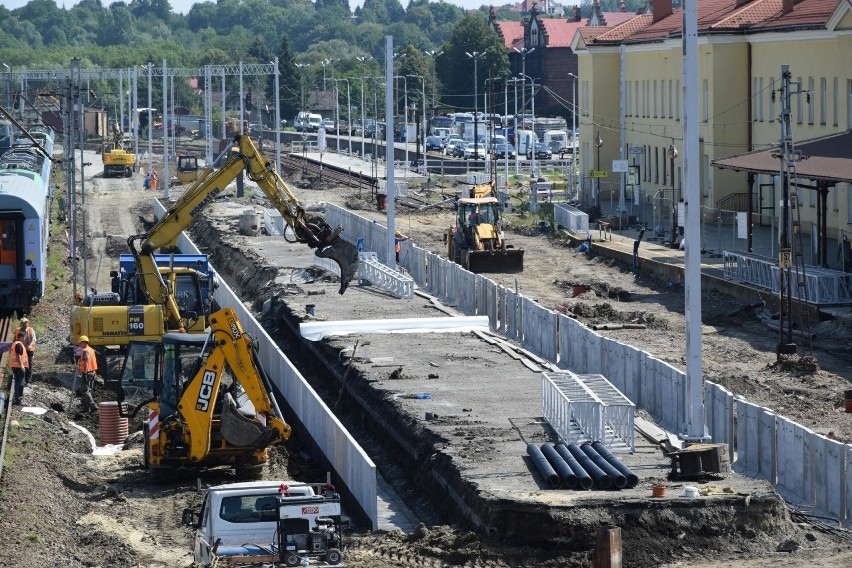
(277, 118)
(224, 122)
(505, 124)
(134, 119)
(73, 98)
(165, 132)
(120, 117)
(363, 116)
(83, 180)
(150, 121)
(622, 205)
(349, 113)
(515, 128)
(390, 259)
(242, 100)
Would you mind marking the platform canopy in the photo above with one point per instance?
(828, 158)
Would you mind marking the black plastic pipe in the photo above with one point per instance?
(602, 480)
(565, 473)
(618, 478)
(632, 478)
(583, 479)
(543, 466)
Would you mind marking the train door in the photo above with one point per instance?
(9, 249)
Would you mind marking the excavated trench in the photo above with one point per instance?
(410, 457)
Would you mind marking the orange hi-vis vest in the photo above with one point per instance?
(88, 364)
(21, 361)
(29, 343)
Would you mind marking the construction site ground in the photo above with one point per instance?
(62, 505)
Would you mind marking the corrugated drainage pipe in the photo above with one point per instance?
(583, 478)
(113, 428)
(565, 473)
(632, 478)
(543, 466)
(618, 478)
(602, 480)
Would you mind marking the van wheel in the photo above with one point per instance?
(292, 559)
(333, 556)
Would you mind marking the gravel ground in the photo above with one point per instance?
(63, 506)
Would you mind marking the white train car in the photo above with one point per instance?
(25, 194)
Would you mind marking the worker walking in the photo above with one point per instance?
(88, 367)
(154, 179)
(29, 344)
(18, 362)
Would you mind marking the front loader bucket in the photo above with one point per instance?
(508, 260)
(345, 254)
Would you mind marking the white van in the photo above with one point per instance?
(238, 513)
(307, 121)
(556, 140)
(525, 141)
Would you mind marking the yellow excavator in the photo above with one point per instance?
(119, 160)
(476, 240)
(107, 322)
(207, 399)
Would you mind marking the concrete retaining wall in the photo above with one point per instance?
(806, 468)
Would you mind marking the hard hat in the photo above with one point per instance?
(83, 338)
(398, 234)
(24, 320)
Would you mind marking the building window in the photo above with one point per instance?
(705, 95)
(754, 98)
(656, 165)
(645, 98)
(655, 99)
(811, 104)
(823, 100)
(636, 96)
(835, 87)
(627, 85)
(800, 116)
(677, 98)
(771, 99)
(760, 98)
(663, 98)
(647, 162)
(835, 193)
(671, 98)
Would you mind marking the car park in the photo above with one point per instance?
(434, 144)
(542, 152)
(502, 150)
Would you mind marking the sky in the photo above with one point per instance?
(183, 6)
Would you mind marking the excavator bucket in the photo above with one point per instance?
(240, 430)
(504, 260)
(345, 254)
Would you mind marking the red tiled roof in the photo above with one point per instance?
(626, 29)
(616, 18)
(511, 32)
(805, 13)
(560, 32)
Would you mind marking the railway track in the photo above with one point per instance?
(329, 173)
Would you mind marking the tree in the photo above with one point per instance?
(289, 89)
(471, 34)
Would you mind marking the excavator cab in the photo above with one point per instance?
(187, 169)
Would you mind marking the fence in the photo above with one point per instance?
(811, 471)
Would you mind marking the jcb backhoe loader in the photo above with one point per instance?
(205, 399)
(476, 241)
(107, 323)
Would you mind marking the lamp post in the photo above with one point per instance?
(363, 113)
(348, 113)
(475, 55)
(534, 137)
(598, 143)
(524, 52)
(324, 62)
(337, 111)
(573, 127)
(421, 132)
(304, 127)
(672, 154)
(434, 54)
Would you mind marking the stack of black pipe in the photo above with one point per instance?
(581, 467)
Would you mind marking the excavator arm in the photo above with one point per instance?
(231, 346)
(308, 229)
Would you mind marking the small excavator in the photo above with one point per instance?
(119, 160)
(476, 241)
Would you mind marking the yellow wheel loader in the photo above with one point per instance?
(476, 240)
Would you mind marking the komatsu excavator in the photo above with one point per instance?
(206, 398)
(108, 322)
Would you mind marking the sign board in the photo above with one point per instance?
(785, 259)
(321, 143)
(637, 150)
(598, 173)
(633, 176)
(620, 166)
(742, 225)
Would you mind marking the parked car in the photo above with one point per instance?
(501, 150)
(474, 151)
(328, 124)
(434, 143)
(450, 146)
(458, 151)
(542, 152)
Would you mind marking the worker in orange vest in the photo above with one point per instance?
(88, 366)
(29, 344)
(18, 362)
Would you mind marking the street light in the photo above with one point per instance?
(475, 55)
(524, 51)
(598, 143)
(434, 54)
(573, 127)
(325, 62)
(672, 154)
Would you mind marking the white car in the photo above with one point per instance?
(450, 146)
(328, 124)
(475, 151)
